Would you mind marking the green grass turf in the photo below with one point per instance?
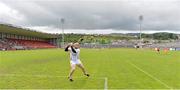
(124, 68)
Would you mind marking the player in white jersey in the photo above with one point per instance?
(74, 59)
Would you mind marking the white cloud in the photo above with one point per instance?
(9, 15)
(51, 29)
(93, 15)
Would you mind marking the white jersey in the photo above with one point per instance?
(74, 56)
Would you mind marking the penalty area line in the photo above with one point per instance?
(25, 75)
(105, 83)
(50, 76)
(138, 68)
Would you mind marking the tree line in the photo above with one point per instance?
(108, 38)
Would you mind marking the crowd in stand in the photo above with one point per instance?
(15, 44)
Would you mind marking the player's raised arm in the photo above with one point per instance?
(73, 50)
(70, 48)
(66, 49)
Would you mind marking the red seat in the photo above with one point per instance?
(32, 43)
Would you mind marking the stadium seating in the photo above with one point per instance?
(31, 43)
(13, 44)
(4, 45)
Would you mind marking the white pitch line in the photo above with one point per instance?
(105, 83)
(149, 75)
(25, 75)
(50, 76)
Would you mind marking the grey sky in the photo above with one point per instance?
(116, 15)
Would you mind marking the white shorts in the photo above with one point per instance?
(75, 62)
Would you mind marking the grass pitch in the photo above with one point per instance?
(109, 69)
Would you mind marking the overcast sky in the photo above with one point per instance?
(93, 16)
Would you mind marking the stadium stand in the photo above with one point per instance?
(16, 38)
(174, 44)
